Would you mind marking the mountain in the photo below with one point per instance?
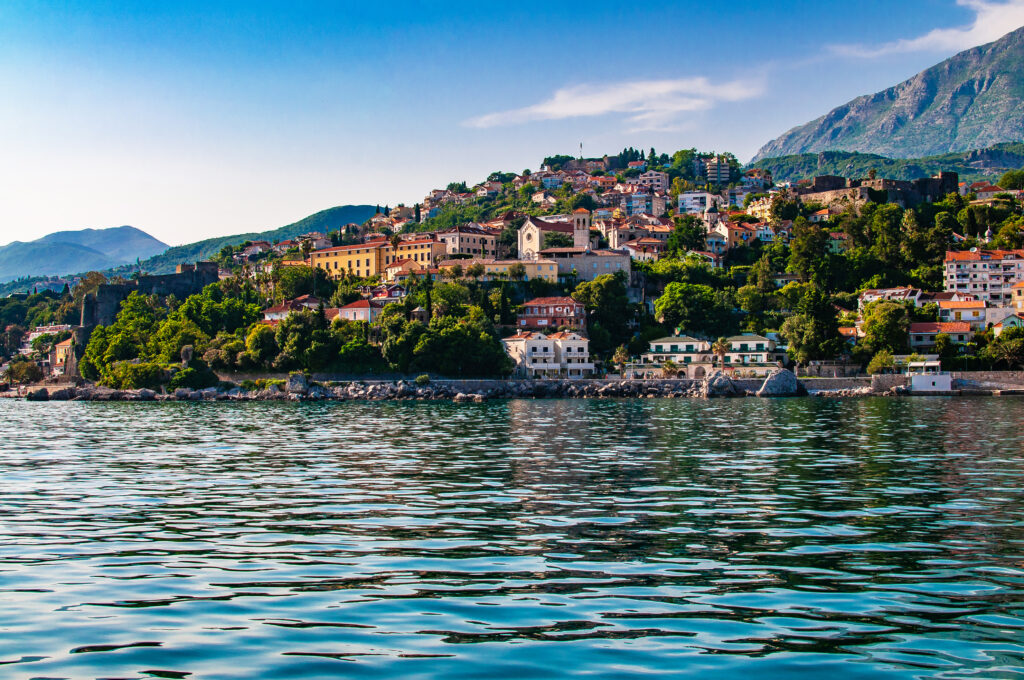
(972, 166)
(30, 268)
(75, 251)
(323, 221)
(970, 101)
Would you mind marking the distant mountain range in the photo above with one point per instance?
(972, 166)
(114, 251)
(75, 251)
(970, 101)
(323, 221)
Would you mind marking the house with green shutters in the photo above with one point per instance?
(687, 356)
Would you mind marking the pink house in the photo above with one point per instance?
(361, 310)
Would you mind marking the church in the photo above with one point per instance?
(531, 234)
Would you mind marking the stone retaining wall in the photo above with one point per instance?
(992, 377)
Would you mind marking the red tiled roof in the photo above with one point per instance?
(552, 301)
(544, 225)
(955, 255)
(940, 327)
(966, 304)
(363, 304)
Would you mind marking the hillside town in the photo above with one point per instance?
(640, 266)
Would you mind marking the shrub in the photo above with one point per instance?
(423, 380)
(129, 376)
(880, 363)
(194, 379)
(24, 372)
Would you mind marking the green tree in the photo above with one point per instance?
(620, 358)
(697, 308)
(885, 327)
(608, 310)
(882, 362)
(260, 344)
(23, 372)
(688, 234)
(813, 332)
(807, 250)
(1014, 179)
(556, 239)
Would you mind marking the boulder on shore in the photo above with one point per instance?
(781, 382)
(297, 384)
(38, 395)
(718, 384)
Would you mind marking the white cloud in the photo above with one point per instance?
(992, 20)
(647, 104)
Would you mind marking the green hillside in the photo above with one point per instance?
(973, 166)
(323, 221)
(164, 263)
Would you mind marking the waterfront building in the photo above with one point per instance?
(748, 355)
(561, 354)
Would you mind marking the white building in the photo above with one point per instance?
(988, 274)
(696, 202)
(562, 354)
(654, 180)
(971, 311)
(748, 355)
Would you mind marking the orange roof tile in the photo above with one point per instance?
(940, 327)
(967, 304)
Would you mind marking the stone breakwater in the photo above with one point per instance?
(780, 383)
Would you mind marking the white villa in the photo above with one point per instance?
(559, 355)
(749, 355)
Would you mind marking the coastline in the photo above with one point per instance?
(781, 384)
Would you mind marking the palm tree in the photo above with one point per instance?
(720, 347)
(620, 358)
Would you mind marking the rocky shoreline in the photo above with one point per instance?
(780, 383)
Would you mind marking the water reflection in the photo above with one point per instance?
(522, 539)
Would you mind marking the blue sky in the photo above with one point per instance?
(193, 119)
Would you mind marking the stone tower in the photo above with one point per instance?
(581, 228)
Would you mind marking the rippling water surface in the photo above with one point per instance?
(748, 538)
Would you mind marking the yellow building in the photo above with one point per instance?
(370, 259)
(1017, 296)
